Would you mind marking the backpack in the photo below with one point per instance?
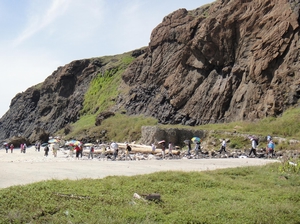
(256, 140)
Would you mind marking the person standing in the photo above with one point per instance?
(270, 148)
(128, 150)
(21, 148)
(6, 148)
(55, 148)
(71, 151)
(153, 148)
(189, 148)
(163, 149)
(197, 149)
(223, 146)
(46, 149)
(24, 147)
(171, 149)
(91, 153)
(11, 148)
(37, 146)
(253, 146)
(81, 150)
(115, 147)
(77, 149)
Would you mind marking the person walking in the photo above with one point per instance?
(128, 150)
(6, 148)
(223, 146)
(253, 146)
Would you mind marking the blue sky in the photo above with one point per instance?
(37, 36)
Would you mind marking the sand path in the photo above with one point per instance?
(18, 168)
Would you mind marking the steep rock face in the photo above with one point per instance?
(231, 60)
(47, 107)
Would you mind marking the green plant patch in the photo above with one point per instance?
(122, 127)
(104, 88)
(240, 195)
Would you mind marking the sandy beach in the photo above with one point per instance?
(19, 168)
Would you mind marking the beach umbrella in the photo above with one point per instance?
(53, 140)
(73, 142)
(114, 145)
(44, 144)
(162, 141)
(196, 139)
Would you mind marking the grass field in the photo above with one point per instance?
(267, 194)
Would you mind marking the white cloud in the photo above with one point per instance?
(39, 20)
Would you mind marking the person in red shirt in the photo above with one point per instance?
(77, 149)
(12, 148)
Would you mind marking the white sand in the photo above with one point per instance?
(18, 168)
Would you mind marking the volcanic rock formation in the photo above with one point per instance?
(230, 60)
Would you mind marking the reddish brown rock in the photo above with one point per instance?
(233, 60)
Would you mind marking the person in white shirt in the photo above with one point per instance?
(254, 145)
(223, 146)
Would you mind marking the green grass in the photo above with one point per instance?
(240, 195)
(287, 125)
(119, 128)
(126, 128)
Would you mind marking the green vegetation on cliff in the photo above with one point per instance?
(101, 95)
(104, 88)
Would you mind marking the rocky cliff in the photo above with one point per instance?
(230, 60)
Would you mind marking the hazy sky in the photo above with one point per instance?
(37, 36)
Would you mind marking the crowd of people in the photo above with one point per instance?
(164, 146)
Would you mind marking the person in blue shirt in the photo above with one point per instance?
(270, 148)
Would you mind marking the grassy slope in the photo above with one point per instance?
(242, 195)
